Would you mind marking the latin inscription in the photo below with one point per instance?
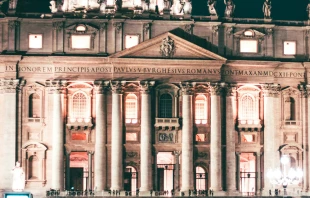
(157, 70)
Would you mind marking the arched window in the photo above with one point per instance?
(165, 106)
(34, 167)
(79, 106)
(200, 178)
(201, 109)
(34, 106)
(247, 107)
(289, 108)
(131, 106)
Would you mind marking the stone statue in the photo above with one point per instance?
(53, 6)
(230, 7)
(211, 5)
(118, 4)
(18, 183)
(103, 4)
(267, 9)
(308, 10)
(167, 4)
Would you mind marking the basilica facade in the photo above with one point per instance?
(143, 96)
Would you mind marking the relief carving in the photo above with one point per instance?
(132, 155)
(167, 47)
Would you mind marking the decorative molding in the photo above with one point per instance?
(11, 86)
(202, 88)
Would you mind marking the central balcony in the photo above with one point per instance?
(79, 123)
(249, 125)
(167, 123)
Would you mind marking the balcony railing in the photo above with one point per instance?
(291, 122)
(249, 125)
(82, 123)
(171, 123)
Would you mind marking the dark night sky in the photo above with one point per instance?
(281, 9)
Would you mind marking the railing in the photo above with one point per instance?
(249, 122)
(167, 122)
(35, 120)
(291, 122)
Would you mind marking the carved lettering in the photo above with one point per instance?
(157, 70)
(165, 137)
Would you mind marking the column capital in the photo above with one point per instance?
(216, 88)
(117, 86)
(146, 86)
(271, 90)
(177, 153)
(187, 88)
(90, 152)
(258, 154)
(101, 86)
(57, 86)
(303, 90)
(11, 85)
(231, 90)
(238, 153)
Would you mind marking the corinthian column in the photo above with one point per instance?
(231, 115)
(187, 137)
(57, 88)
(146, 137)
(9, 144)
(269, 91)
(215, 142)
(100, 173)
(117, 136)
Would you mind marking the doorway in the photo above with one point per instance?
(130, 179)
(247, 174)
(76, 178)
(165, 170)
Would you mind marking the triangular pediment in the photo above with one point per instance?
(168, 46)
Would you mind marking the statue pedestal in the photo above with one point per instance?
(214, 18)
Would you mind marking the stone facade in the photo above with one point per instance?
(108, 108)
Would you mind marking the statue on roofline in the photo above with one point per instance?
(267, 9)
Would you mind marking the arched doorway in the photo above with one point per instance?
(201, 181)
(130, 179)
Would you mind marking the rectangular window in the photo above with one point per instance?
(131, 137)
(80, 41)
(201, 138)
(131, 40)
(35, 41)
(248, 46)
(289, 47)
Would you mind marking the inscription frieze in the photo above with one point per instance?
(157, 70)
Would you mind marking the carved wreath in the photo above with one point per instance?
(167, 47)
